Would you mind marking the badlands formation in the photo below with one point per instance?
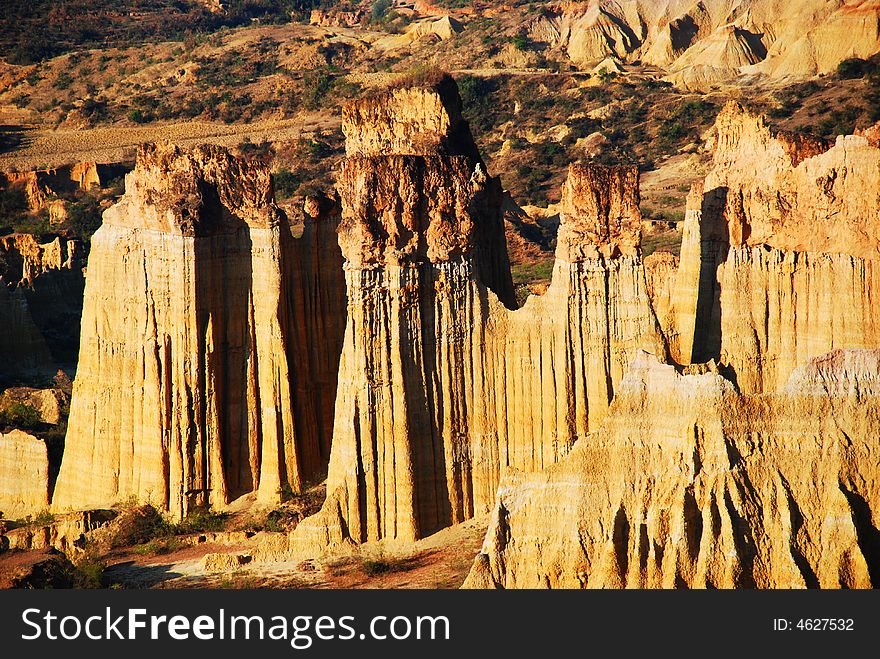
(209, 341)
(712, 421)
(758, 466)
(646, 422)
(707, 41)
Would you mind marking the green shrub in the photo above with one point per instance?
(286, 183)
(375, 568)
(480, 104)
(158, 546)
(379, 9)
(383, 564)
(13, 202)
(316, 87)
(84, 216)
(22, 416)
(137, 116)
(43, 518)
(854, 68)
(521, 42)
(90, 573)
(199, 521)
(63, 80)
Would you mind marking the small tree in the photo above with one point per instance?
(521, 42)
(379, 9)
(853, 68)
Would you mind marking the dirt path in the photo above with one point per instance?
(42, 148)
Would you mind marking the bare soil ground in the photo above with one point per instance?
(442, 560)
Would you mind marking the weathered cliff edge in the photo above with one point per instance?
(689, 483)
(442, 385)
(758, 469)
(40, 301)
(209, 375)
(780, 252)
(207, 340)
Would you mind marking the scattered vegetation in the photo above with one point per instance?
(379, 9)
(372, 566)
(143, 527)
(89, 572)
(39, 29)
(157, 547)
(665, 241)
(854, 67)
(22, 416)
(13, 202)
(286, 183)
(199, 521)
(834, 105)
(526, 275)
(535, 123)
(42, 518)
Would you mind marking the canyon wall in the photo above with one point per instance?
(755, 463)
(701, 422)
(442, 384)
(423, 241)
(195, 383)
(779, 251)
(692, 484)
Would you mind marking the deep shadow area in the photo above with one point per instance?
(130, 574)
(714, 245)
(868, 534)
(12, 137)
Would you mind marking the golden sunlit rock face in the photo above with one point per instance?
(442, 385)
(707, 421)
(24, 474)
(753, 464)
(700, 44)
(197, 379)
(690, 483)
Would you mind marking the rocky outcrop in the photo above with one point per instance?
(779, 251)
(69, 532)
(691, 484)
(755, 464)
(418, 120)
(597, 311)
(24, 474)
(23, 258)
(711, 41)
(326, 18)
(430, 29)
(196, 382)
(442, 384)
(42, 187)
(423, 240)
